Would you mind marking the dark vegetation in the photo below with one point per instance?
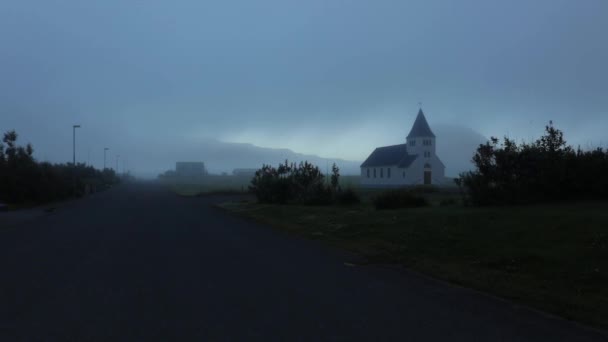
(25, 181)
(302, 183)
(550, 253)
(550, 256)
(546, 170)
(399, 198)
(348, 197)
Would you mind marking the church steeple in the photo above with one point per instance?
(421, 140)
(421, 128)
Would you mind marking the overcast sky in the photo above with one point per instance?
(332, 78)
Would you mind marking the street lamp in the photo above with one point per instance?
(105, 149)
(74, 143)
(117, 156)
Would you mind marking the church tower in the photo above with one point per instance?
(421, 140)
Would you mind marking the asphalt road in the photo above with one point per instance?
(139, 263)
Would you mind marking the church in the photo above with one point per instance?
(412, 163)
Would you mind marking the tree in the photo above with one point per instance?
(24, 180)
(335, 177)
(544, 170)
(302, 183)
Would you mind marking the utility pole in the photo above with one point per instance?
(74, 144)
(117, 156)
(105, 149)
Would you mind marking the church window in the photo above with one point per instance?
(412, 142)
(381, 173)
(367, 173)
(374, 172)
(388, 173)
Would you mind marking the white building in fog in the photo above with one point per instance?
(412, 163)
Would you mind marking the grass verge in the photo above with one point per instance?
(551, 257)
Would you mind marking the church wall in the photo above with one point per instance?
(414, 175)
(396, 178)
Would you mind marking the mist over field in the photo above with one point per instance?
(159, 82)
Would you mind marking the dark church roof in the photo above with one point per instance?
(390, 155)
(421, 127)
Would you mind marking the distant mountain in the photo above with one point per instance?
(222, 156)
(455, 146)
(225, 156)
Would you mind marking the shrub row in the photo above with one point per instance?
(301, 183)
(398, 199)
(23, 180)
(545, 170)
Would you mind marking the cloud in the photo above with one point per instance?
(331, 78)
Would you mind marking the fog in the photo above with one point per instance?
(159, 81)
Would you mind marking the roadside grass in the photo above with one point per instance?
(551, 257)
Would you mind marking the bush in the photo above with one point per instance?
(447, 202)
(23, 180)
(545, 170)
(348, 197)
(290, 183)
(396, 199)
(424, 189)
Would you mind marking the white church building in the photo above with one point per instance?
(412, 163)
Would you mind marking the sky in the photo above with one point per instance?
(334, 78)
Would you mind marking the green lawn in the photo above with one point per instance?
(552, 257)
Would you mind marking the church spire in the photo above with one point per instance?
(421, 127)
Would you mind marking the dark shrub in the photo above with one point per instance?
(291, 183)
(317, 195)
(348, 197)
(396, 199)
(23, 180)
(424, 189)
(542, 171)
(447, 202)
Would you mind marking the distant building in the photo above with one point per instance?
(412, 163)
(244, 172)
(190, 169)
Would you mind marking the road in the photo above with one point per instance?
(138, 263)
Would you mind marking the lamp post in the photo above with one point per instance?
(105, 149)
(74, 143)
(117, 156)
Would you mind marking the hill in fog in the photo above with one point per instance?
(222, 156)
(455, 147)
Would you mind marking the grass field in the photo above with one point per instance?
(551, 257)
